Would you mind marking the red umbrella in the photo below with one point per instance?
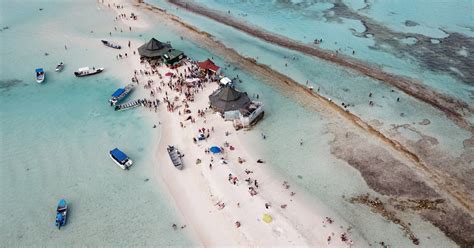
(169, 74)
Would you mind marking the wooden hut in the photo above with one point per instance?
(208, 66)
(154, 49)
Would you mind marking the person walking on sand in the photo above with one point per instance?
(210, 166)
(301, 142)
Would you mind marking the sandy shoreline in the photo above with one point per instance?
(208, 182)
(197, 189)
(454, 190)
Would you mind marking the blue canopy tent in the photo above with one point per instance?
(215, 149)
(118, 92)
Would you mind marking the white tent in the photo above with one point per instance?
(225, 81)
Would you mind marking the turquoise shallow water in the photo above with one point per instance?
(339, 84)
(55, 137)
(309, 21)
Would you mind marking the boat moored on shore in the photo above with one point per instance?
(111, 44)
(40, 75)
(120, 158)
(175, 157)
(86, 71)
(129, 105)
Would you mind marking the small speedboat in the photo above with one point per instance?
(111, 44)
(61, 213)
(60, 67)
(39, 75)
(86, 71)
(121, 159)
(175, 157)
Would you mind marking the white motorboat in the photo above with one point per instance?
(60, 67)
(86, 71)
(120, 158)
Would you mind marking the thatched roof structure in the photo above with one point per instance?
(154, 49)
(228, 99)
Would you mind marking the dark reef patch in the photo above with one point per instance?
(409, 23)
(436, 57)
(379, 168)
(7, 84)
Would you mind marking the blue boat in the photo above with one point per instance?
(39, 75)
(61, 213)
(120, 94)
(121, 159)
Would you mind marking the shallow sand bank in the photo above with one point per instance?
(454, 109)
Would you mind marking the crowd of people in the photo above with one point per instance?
(176, 89)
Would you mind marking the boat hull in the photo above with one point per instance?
(128, 105)
(111, 45)
(61, 213)
(59, 67)
(77, 74)
(125, 166)
(175, 157)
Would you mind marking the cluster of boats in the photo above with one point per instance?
(119, 157)
(81, 72)
(40, 73)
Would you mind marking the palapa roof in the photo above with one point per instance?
(208, 65)
(154, 48)
(228, 99)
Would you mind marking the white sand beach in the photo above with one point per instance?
(335, 157)
(210, 204)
